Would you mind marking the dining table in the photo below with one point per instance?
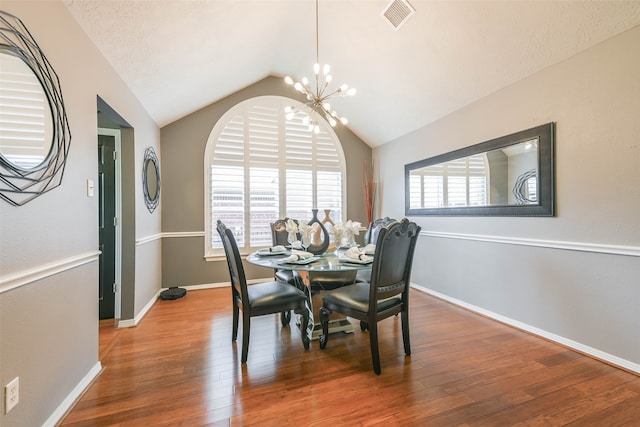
(334, 260)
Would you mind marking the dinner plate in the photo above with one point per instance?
(303, 261)
(268, 253)
(356, 261)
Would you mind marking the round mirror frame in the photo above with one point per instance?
(18, 185)
(150, 160)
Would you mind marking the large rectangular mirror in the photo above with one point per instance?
(508, 176)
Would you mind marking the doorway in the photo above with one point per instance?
(109, 223)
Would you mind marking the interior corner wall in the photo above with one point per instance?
(49, 246)
(183, 148)
(572, 277)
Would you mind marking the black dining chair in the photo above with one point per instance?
(371, 236)
(385, 295)
(279, 236)
(261, 298)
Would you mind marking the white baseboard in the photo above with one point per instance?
(590, 351)
(130, 323)
(75, 394)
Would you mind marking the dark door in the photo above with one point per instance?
(106, 224)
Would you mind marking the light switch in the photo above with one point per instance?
(89, 188)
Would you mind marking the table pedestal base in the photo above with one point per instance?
(335, 325)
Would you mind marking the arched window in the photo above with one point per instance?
(259, 167)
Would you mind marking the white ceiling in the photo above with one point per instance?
(178, 56)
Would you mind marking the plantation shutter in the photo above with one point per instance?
(25, 120)
(266, 167)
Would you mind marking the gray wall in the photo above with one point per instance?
(48, 250)
(573, 277)
(183, 147)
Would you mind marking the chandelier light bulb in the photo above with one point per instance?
(305, 81)
(316, 68)
(344, 120)
(332, 122)
(351, 91)
(288, 80)
(325, 69)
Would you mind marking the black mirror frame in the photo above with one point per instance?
(17, 185)
(546, 180)
(150, 158)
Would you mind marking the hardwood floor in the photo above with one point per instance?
(178, 367)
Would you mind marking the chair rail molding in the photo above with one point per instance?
(550, 244)
(24, 277)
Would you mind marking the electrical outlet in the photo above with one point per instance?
(11, 394)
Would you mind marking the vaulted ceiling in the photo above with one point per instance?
(180, 55)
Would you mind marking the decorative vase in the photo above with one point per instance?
(316, 247)
(327, 222)
(327, 217)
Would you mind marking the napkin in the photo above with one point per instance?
(291, 226)
(297, 255)
(354, 253)
(306, 231)
(370, 249)
(296, 245)
(279, 249)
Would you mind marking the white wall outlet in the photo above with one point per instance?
(11, 394)
(90, 188)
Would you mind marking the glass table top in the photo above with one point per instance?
(329, 261)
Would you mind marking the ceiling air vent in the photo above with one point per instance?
(397, 13)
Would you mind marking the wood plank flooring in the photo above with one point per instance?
(178, 367)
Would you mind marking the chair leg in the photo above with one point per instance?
(246, 326)
(324, 321)
(373, 343)
(303, 327)
(285, 318)
(234, 332)
(405, 332)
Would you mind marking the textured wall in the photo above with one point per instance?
(575, 275)
(49, 247)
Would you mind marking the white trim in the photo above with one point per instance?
(129, 323)
(31, 275)
(224, 284)
(117, 135)
(75, 394)
(149, 239)
(593, 352)
(552, 244)
(171, 234)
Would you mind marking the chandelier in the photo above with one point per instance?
(317, 104)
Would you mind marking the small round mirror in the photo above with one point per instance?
(26, 122)
(151, 179)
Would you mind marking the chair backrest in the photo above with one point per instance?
(371, 236)
(393, 259)
(279, 233)
(234, 262)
